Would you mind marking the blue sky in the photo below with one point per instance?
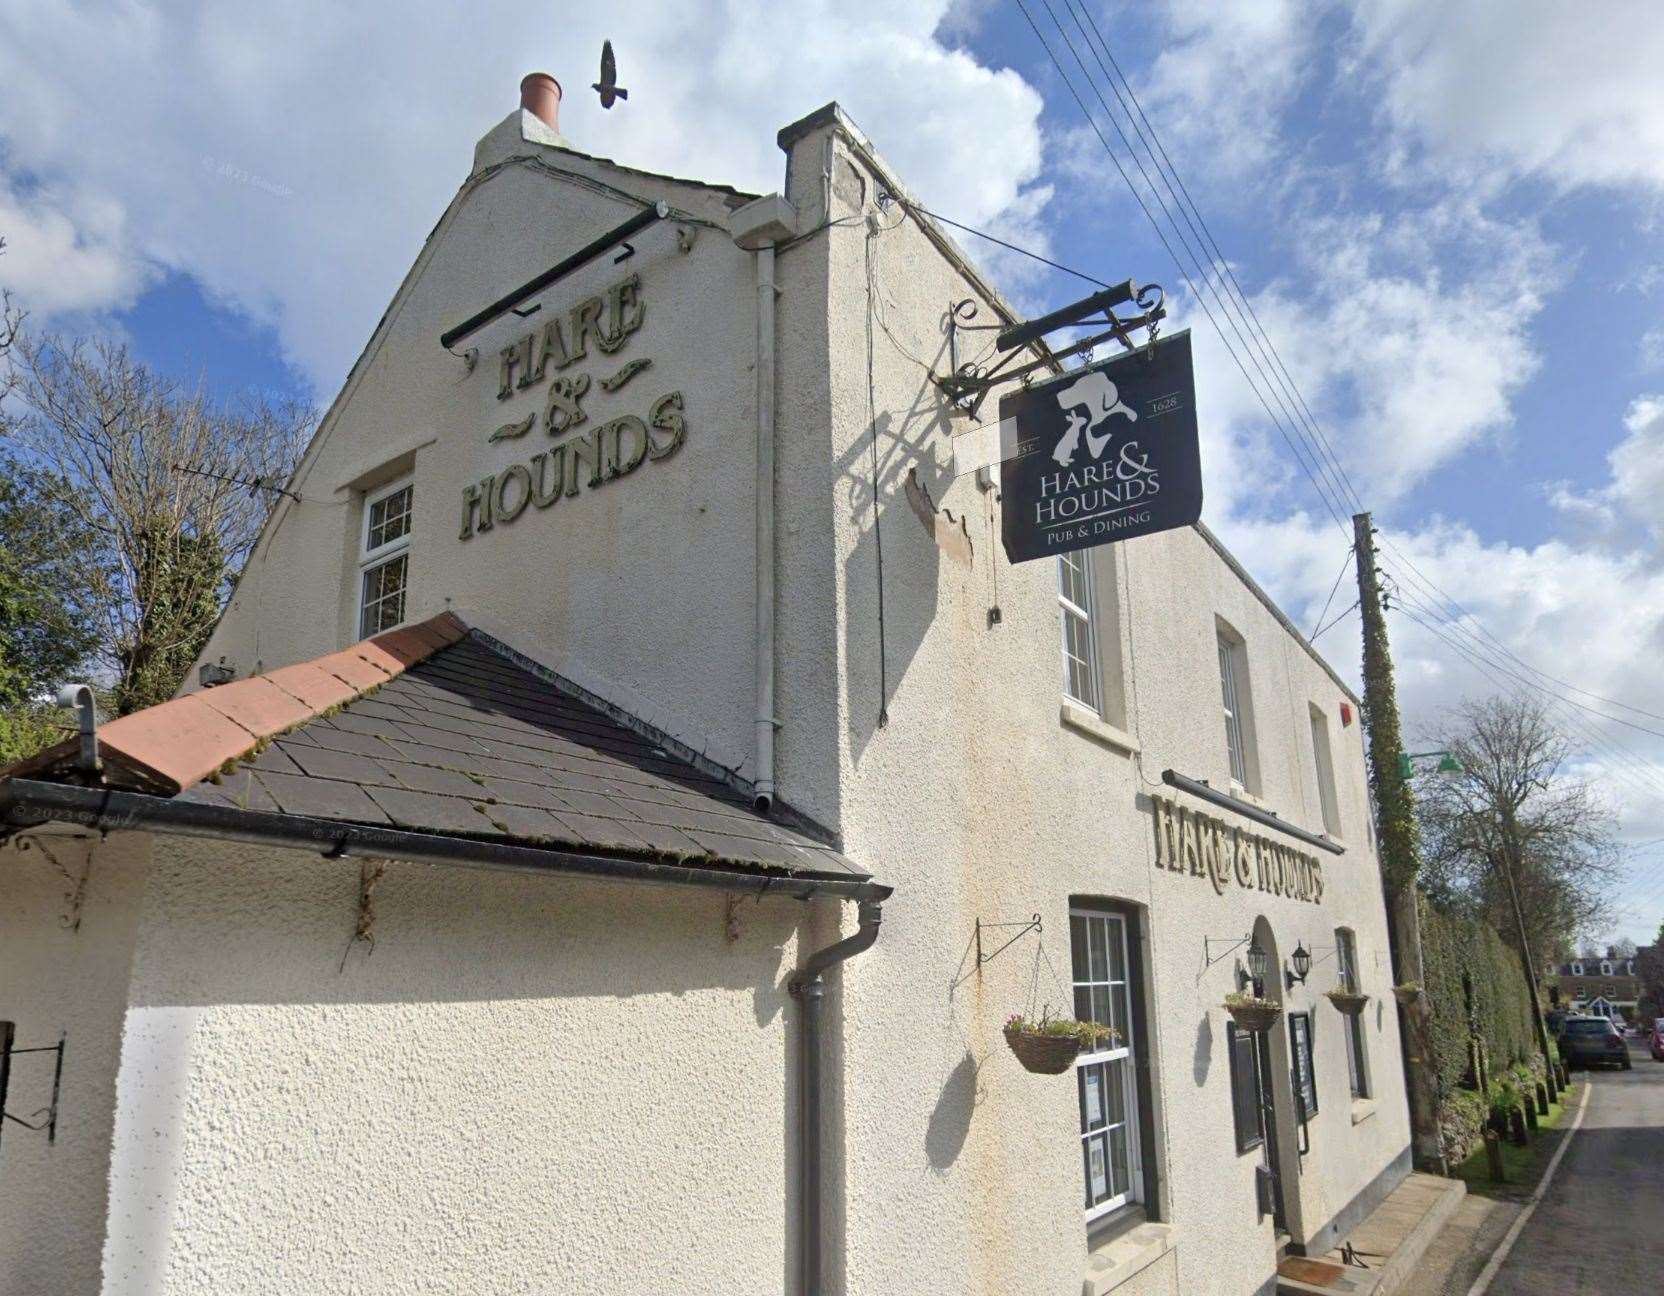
(1448, 218)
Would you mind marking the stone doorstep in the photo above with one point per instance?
(1392, 1241)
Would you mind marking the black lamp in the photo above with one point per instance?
(1302, 964)
(1256, 964)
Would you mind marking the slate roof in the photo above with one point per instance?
(453, 739)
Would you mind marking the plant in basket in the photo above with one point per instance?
(1050, 1045)
(1347, 1000)
(1252, 1012)
(1409, 994)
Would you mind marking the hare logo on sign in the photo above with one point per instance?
(1103, 454)
(1088, 404)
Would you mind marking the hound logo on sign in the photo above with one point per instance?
(1103, 454)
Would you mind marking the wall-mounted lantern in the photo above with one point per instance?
(1258, 962)
(1300, 964)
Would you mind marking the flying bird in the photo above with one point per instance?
(607, 87)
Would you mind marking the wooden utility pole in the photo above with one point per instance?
(1399, 842)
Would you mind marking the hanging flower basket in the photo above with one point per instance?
(1251, 1013)
(1049, 1046)
(1349, 1002)
(1408, 994)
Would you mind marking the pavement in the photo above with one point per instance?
(1599, 1227)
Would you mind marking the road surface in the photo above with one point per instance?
(1600, 1226)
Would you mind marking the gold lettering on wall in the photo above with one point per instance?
(1201, 845)
(616, 447)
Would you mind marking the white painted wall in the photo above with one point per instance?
(55, 980)
(529, 1085)
(961, 1171)
(638, 584)
(550, 1086)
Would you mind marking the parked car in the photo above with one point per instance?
(1655, 1041)
(1589, 1041)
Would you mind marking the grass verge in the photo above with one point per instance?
(1522, 1166)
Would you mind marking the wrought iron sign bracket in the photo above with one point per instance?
(46, 1118)
(1032, 925)
(967, 383)
(1232, 945)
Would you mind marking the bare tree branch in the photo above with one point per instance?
(1514, 807)
(164, 476)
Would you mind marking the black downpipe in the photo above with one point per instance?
(810, 987)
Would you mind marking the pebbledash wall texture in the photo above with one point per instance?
(540, 1084)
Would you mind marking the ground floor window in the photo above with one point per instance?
(1357, 1059)
(1106, 1078)
(1305, 1074)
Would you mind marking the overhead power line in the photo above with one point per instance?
(1198, 293)
(1214, 285)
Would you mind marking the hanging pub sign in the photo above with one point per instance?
(1104, 453)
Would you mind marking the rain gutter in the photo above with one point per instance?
(27, 803)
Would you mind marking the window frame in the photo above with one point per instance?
(1121, 1054)
(1085, 615)
(373, 558)
(1357, 1051)
(1231, 682)
(1301, 1111)
(1323, 759)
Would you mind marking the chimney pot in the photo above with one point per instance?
(540, 96)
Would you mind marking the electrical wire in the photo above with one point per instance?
(1197, 293)
(1623, 768)
(1227, 291)
(1228, 307)
(1146, 130)
(1339, 576)
(1339, 617)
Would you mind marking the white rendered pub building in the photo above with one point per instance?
(635, 793)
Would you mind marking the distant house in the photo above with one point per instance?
(1601, 987)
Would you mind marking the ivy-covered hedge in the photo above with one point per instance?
(1452, 946)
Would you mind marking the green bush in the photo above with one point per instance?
(1454, 947)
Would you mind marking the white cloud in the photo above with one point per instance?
(1651, 349)
(293, 157)
(66, 253)
(1225, 76)
(1564, 93)
(1625, 510)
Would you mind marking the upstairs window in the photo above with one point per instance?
(384, 558)
(1325, 763)
(1239, 720)
(1577, 969)
(1080, 651)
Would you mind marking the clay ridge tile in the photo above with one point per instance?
(180, 742)
(174, 744)
(257, 704)
(312, 686)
